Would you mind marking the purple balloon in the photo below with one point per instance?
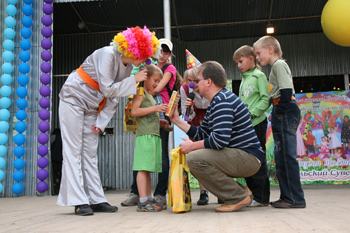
(43, 150)
(43, 162)
(46, 32)
(46, 20)
(47, 9)
(44, 114)
(44, 126)
(46, 43)
(46, 55)
(317, 152)
(45, 67)
(48, 1)
(43, 138)
(348, 94)
(42, 174)
(347, 150)
(45, 91)
(41, 186)
(44, 102)
(45, 79)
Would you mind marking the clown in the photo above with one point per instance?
(88, 100)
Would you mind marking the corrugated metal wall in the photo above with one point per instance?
(31, 156)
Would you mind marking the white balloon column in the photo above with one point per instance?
(45, 91)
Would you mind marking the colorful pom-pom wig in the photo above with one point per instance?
(136, 43)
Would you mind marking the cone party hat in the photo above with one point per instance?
(192, 61)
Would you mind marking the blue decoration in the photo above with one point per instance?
(4, 115)
(3, 150)
(9, 33)
(11, 10)
(5, 102)
(2, 162)
(5, 91)
(7, 68)
(20, 126)
(3, 139)
(24, 68)
(17, 188)
(6, 79)
(24, 56)
(18, 176)
(21, 92)
(10, 22)
(26, 33)
(23, 80)
(28, 1)
(19, 139)
(8, 45)
(4, 126)
(27, 10)
(27, 21)
(20, 115)
(1, 188)
(7, 56)
(12, 2)
(25, 44)
(2, 175)
(19, 151)
(22, 103)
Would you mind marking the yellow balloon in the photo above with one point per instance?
(335, 21)
(309, 95)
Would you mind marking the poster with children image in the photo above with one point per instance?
(323, 139)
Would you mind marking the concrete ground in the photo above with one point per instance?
(327, 211)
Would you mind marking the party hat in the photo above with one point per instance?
(192, 61)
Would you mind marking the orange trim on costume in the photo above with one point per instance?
(92, 83)
(275, 101)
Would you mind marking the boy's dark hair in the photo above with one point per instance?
(214, 71)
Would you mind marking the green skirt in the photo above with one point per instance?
(148, 153)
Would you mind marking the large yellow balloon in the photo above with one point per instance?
(335, 21)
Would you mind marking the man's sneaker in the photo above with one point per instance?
(282, 204)
(83, 210)
(161, 200)
(203, 198)
(148, 206)
(103, 207)
(133, 199)
(159, 206)
(257, 204)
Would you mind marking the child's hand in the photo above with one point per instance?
(161, 107)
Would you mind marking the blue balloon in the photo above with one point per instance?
(21, 115)
(7, 68)
(26, 33)
(10, 22)
(18, 176)
(27, 10)
(25, 44)
(4, 126)
(5, 102)
(12, 2)
(3, 150)
(7, 56)
(17, 188)
(3, 138)
(5, 91)
(23, 80)
(2, 175)
(6, 79)
(9, 33)
(22, 103)
(11, 10)
(27, 21)
(8, 45)
(21, 92)
(20, 126)
(19, 139)
(18, 163)
(2, 162)
(24, 56)
(1, 188)
(28, 1)
(19, 151)
(4, 115)
(24, 68)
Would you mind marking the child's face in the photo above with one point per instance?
(152, 82)
(164, 56)
(194, 81)
(331, 129)
(245, 63)
(310, 132)
(346, 118)
(323, 139)
(262, 55)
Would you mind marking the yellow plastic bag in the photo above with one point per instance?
(179, 194)
(129, 121)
